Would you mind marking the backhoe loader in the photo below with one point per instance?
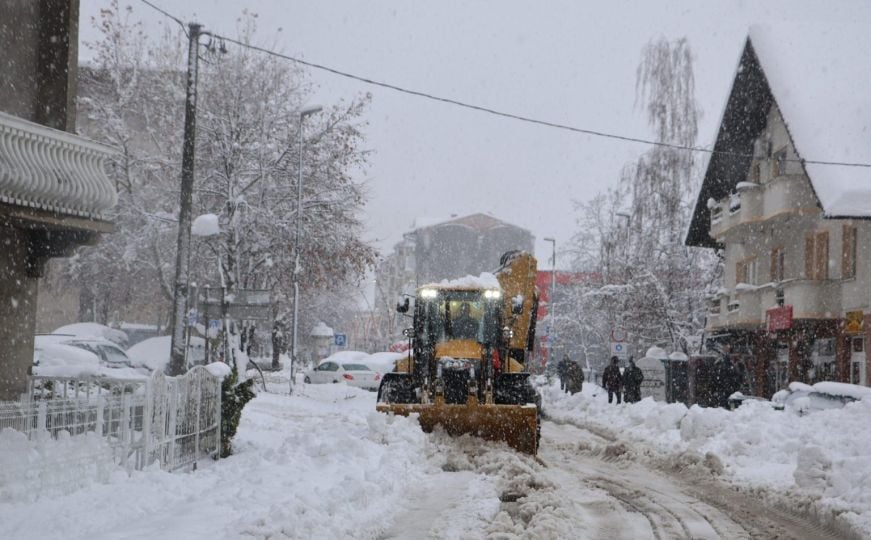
(469, 340)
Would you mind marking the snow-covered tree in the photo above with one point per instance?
(246, 174)
(647, 282)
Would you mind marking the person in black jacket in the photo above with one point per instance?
(562, 370)
(612, 380)
(574, 378)
(632, 378)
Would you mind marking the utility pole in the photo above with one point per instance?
(182, 257)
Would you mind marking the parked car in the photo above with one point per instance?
(350, 372)
(805, 399)
(57, 346)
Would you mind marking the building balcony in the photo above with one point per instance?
(53, 171)
(789, 194)
(755, 203)
(813, 299)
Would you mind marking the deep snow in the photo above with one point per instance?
(323, 464)
(820, 460)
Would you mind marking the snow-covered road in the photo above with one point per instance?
(323, 464)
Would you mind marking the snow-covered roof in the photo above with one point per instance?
(815, 75)
(818, 75)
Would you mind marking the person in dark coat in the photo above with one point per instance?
(612, 379)
(574, 378)
(562, 370)
(464, 326)
(632, 378)
(726, 377)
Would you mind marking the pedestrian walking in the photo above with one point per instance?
(612, 379)
(632, 379)
(574, 378)
(562, 369)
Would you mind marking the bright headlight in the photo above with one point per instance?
(428, 293)
(492, 294)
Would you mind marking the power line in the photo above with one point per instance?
(166, 14)
(503, 114)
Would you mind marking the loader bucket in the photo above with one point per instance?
(516, 425)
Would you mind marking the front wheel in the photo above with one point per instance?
(307, 380)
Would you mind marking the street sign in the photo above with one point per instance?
(620, 350)
(340, 340)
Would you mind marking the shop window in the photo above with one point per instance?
(824, 364)
(848, 252)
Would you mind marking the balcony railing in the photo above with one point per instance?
(54, 171)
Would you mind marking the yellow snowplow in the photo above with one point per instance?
(469, 343)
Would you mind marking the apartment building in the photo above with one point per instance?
(786, 199)
(54, 193)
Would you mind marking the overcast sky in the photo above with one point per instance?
(571, 62)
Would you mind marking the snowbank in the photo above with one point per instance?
(824, 457)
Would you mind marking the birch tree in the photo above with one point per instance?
(647, 282)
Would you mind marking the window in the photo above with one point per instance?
(745, 271)
(757, 172)
(716, 212)
(777, 264)
(848, 252)
(733, 306)
(779, 297)
(778, 166)
(714, 307)
(816, 255)
(355, 367)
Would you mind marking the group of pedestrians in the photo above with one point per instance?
(627, 383)
(625, 386)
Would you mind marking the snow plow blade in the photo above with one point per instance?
(516, 425)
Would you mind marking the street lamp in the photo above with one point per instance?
(550, 307)
(294, 350)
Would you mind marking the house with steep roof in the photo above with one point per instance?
(54, 192)
(786, 196)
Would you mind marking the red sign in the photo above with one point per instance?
(779, 318)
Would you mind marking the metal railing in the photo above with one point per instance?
(91, 424)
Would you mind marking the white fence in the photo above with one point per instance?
(91, 424)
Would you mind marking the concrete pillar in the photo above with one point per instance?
(17, 313)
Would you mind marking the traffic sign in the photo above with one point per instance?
(340, 340)
(620, 350)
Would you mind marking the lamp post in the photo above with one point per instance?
(550, 305)
(294, 350)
